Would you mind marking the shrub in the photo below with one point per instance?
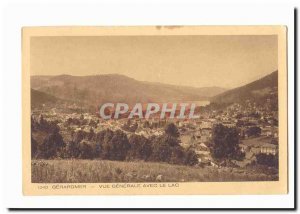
(253, 131)
(162, 148)
(72, 149)
(34, 147)
(171, 130)
(87, 149)
(177, 155)
(51, 145)
(191, 158)
(140, 148)
(112, 145)
(225, 142)
(167, 149)
(118, 146)
(267, 159)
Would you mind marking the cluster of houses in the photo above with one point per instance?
(193, 132)
(264, 140)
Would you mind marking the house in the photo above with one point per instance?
(269, 149)
(266, 131)
(259, 145)
(228, 124)
(204, 138)
(206, 124)
(269, 131)
(206, 132)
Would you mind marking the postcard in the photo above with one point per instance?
(154, 110)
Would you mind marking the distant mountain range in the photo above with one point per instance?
(257, 91)
(94, 90)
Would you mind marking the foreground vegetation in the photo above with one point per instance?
(48, 143)
(106, 171)
(116, 156)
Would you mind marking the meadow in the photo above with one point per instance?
(105, 171)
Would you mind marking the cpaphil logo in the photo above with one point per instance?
(149, 110)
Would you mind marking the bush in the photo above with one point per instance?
(51, 145)
(191, 158)
(162, 148)
(87, 149)
(79, 136)
(171, 130)
(225, 143)
(115, 145)
(140, 148)
(177, 155)
(34, 147)
(72, 149)
(167, 149)
(253, 131)
(111, 145)
(102, 140)
(267, 160)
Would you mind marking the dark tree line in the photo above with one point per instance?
(115, 145)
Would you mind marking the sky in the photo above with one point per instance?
(197, 61)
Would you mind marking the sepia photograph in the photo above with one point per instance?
(170, 105)
(166, 106)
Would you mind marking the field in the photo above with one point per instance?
(104, 171)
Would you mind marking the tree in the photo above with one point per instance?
(191, 158)
(171, 130)
(34, 147)
(79, 136)
(163, 148)
(114, 145)
(119, 146)
(87, 149)
(167, 149)
(140, 148)
(267, 159)
(51, 145)
(93, 123)
(161, 151)
(253, 131)
(225, 142)
(91, 134)
(102, 139)
(72, 149)
(41, 121)
(34, 124)
(177, 155)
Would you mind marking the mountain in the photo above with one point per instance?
(257, 91)
(94, 90)
(39, 98)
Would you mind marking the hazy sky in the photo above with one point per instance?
(225, 61)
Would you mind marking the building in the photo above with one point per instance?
(258, 146)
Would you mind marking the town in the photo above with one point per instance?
(257, 127)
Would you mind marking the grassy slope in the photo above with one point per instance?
(103, 171)
(39, 98)
(253, 90)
